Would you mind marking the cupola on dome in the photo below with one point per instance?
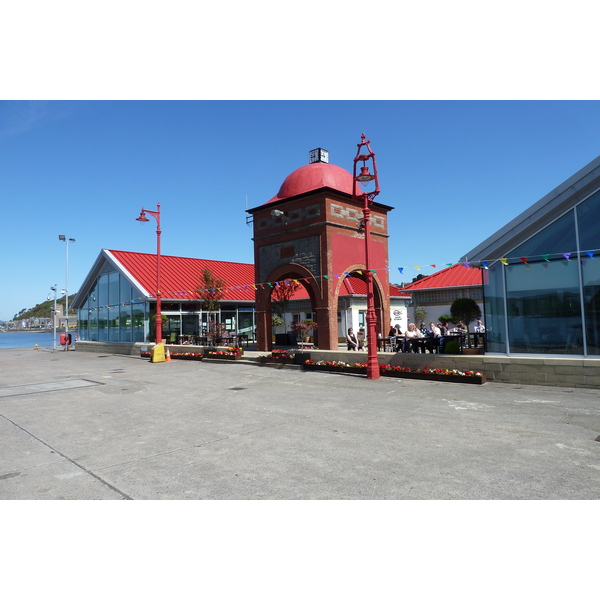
(314, 176)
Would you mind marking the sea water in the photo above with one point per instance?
(28, 339)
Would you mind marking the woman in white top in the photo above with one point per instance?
(412, 334)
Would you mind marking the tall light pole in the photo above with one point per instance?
(54, 288)
(144, 219)
(365, 178)
(68, 241)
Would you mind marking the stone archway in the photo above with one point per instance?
(264, 311)
(381, 299)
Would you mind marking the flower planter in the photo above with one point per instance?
(477, 379)
(401, 374)
(214, 355)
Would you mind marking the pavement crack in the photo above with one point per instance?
(68, 459)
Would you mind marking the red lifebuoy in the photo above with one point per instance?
(65, 339)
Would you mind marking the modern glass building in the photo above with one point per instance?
(541, 274)
(117, 303)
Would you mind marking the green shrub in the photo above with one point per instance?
(452, 347)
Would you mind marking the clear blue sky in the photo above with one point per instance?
(454, 171)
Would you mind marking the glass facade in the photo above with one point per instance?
(114, 312)
(546, 299)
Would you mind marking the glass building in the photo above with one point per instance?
(541, 274)
(115, 303)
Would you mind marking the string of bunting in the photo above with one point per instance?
(484, 264)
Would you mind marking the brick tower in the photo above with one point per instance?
(311, 231)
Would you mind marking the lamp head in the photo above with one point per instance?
(277, 213)
(62, 238)
(365, 176)
(143, 218)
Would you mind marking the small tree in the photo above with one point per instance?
(420, 314)
(211, 289)
(282, 294)
(465, 310)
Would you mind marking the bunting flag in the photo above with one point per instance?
(484, 264)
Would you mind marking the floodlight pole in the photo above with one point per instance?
(142, 218)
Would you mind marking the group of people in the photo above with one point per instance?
(417, 339)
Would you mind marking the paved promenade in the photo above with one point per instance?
(77, 425)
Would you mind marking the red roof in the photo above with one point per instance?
(314, 176)
(180, 277)
(455, 276)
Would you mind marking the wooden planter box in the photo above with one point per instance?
(187, 357)
(473, 379)
(223, 356)
(433, 377)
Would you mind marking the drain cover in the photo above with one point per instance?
(237, 389)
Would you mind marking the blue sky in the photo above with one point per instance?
(454, 171)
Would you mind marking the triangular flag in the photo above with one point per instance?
(523, 259)
(590, 253)
(433, 266)
(326, 277)
(360, 272)
(417, 268)
(466, 264)
(545, 257)
(567, 255)
(269, 284)
(503, 261)
(400, 269)
(484, 264)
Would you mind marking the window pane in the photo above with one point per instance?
(555, 239)
(544, 310)
(588, 217)
(494, 309)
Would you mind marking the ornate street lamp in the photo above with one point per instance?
(142, 217)
(365, 178)
(68, 241)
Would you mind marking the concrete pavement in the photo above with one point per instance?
(79, 425)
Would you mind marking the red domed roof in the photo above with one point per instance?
(313, 177)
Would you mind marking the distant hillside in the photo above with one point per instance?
(44, 309)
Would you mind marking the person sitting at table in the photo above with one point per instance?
(353, 341)
(460, 328)
(413, 334)
(479, 328)
(396, 337)
(433, 337)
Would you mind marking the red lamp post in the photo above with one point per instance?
(364, 178)
(144, 219)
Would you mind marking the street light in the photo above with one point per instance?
(144, 219)
(62, 238)
(365, 178)
(54, 288)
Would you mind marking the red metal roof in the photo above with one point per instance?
(455, 276)
(180, 277)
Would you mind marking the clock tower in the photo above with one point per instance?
(310, 231)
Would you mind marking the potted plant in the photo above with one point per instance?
(303, 329)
